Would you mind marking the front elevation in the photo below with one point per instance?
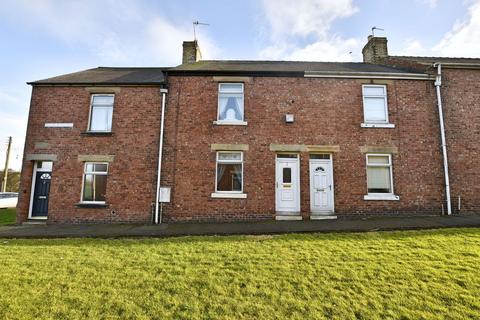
(242, 141)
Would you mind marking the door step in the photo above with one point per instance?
(33, 222)
(319, 217)
(287, 218)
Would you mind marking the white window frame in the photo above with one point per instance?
(381, 196)
(233, 193)
(376, 124)
(91, 110)
(227, 122)
(100, 173)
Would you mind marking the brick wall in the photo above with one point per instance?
(134, 143)
(327, 112)
(461, 103)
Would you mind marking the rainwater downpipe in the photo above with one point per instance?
(158, 211)
(438, 84)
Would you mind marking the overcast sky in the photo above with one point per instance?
(44, 38)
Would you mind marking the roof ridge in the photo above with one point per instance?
(279, 61)
(436, 57)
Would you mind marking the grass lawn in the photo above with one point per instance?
(377, 275)
(7, 216)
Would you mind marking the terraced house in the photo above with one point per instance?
(254, 140)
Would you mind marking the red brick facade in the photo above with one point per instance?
(134, 143)
(327, 112)
(461, 103)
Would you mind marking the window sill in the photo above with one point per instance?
(229, 195)
(96, 133)
(377, 125)
(384, 197)
(91, 205)
(230, 123)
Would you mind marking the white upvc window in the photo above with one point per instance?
(101, 111)
(229, 175)
(230, 104)
(379, 177)
(94, 182)
(375, 106)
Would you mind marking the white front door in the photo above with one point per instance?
(321, 186)
(287, 185)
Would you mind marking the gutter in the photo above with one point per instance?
(369, 75)
(159, 211)
(438, 84)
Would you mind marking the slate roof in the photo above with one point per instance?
(155, 76)
(109, 76)
(283, 66)
(431, 60)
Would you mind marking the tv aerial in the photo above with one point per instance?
(196, 24)
(375, 28)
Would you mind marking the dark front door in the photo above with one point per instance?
(40, 195)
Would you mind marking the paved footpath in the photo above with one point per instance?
(266, 227)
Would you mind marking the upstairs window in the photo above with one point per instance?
(94, 182)
(379, 174)
(101, 110)
(375, 109)
(229, 172)
(230, 103)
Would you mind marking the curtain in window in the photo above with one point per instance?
(229, 177)
(230, 108)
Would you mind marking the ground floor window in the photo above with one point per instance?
(94, 182)
(229, 177)
(379, 174)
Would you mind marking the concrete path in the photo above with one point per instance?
(267, 227)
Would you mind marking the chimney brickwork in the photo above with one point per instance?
(375, 49)
(191, 52)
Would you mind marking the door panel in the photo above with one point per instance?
(321, 186)
(287, 185)
(41, 194)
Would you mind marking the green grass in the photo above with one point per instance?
(7, 216)
(378, 275)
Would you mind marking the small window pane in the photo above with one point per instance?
(108, 100)
(230, 156)
(378, 160)
(101, 119)
(231, 87)
(319, 156)
(229, 177)
(287, 156)
(376, 91)
(89, 167)
(101, 167)
(287, 175)
(375, 109)
(378, 180)
(45, 165)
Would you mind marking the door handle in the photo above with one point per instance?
(42, 197)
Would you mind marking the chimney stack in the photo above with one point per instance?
(375, 49)
(191, 52)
